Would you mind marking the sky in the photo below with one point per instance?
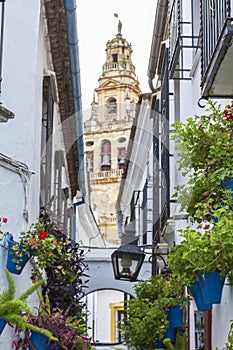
(97, 24)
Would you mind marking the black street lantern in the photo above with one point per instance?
(127, 261)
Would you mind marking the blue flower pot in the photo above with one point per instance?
(170, 333)
(196, 292)
(41, 342)
(211, 285)
(175, 316)
(3, 323)
(228, 185)
(15, 267)
(53, 346)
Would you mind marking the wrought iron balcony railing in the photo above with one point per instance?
(183, 35)
(213, 17)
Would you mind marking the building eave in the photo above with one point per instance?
(57, 32)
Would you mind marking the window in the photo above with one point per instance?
(121, 157)
(89, 143)
(117, 316)
(121, 139)
(106, 155)
(89, 160)
(112, 106)
(46, 144)
(115, 57)
(60, 191)
(199, 330)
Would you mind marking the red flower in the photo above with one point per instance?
(229, 117)
(225, 112)
(42, 235)
(3, 220)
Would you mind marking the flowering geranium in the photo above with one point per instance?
(41, 244)
(3, 220)
(228, 112)
(43, 234)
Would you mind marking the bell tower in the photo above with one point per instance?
(107, 132)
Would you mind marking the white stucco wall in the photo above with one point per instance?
(23, 69)
(190, 93)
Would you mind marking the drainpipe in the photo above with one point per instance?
(72, 36)
(159, 26)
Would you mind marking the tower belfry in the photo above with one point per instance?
(108, 129)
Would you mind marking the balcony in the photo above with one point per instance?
(217, 50)
(183, 38)
(106, 176)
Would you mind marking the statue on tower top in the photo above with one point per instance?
(119, 27)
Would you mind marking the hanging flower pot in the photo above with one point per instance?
(211, 285)
(175, 316)
(17, 257)
(228, 185)
(171, 334)
(40, 342)
(196, 291)
(3, 323)
(53, 346)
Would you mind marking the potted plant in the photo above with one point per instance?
(12, 309)
(64, 285)
(204, 253)
(147, 322)
(15, 262)
(37, 242)
(18, 256)
(68, 333)
(203, 142)
(181, 341)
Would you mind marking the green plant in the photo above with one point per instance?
(181, 341)
(205, 146)
(147, 318)
(69, 333)
(65, 285)
(211, 250)
(41, 243)
(37, 242)
(12, 309)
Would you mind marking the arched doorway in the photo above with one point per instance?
(105, 312)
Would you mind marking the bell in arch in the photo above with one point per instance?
(106, 160)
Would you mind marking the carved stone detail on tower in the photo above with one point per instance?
(108, 129)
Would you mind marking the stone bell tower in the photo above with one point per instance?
(107, 132)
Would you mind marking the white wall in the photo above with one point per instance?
(23, 68)
(186, 99)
